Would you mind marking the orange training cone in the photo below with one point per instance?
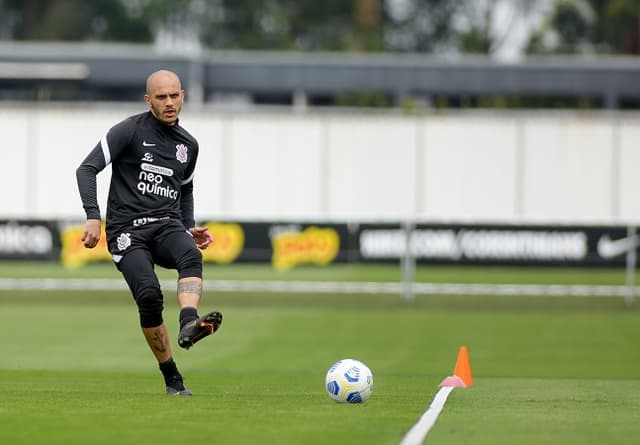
(463, 369)
(461, 377)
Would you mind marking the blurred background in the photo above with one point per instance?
(458, 132)
(498, 44)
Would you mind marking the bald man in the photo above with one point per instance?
(150, 217)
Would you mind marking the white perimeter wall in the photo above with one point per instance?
(483, 167)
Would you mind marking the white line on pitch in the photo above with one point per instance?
(418, 432)
(331, 287)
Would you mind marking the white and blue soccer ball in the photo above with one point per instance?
(349, 381)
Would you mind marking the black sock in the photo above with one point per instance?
(170, 372)
(187, 314)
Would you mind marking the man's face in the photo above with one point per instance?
(165, 98)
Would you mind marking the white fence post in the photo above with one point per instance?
(408, 264)
(631, 265)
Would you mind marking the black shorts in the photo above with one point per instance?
(164, 242)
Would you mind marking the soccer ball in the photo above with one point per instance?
(349, 381)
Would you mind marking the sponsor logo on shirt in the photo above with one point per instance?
(147, 220)
(150, 168)
(151, 181)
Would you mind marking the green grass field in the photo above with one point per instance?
(75, 368)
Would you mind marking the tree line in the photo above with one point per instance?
(422, 26)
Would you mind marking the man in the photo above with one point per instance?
(150, 217)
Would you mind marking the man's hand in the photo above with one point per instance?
(91, 234)
(201, 236)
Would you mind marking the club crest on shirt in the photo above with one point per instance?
(124, 241)
(181, 153)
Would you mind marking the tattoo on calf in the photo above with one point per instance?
(159, 343)
(190, 287)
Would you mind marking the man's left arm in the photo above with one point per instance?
(186, 205)
(201, 235)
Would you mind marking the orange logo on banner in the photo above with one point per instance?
(311, 246)
(228, 242)
(74, 254)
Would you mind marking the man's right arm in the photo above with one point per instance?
(109, 148)
(87, 184)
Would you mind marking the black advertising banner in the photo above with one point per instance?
(289, 244)
(497, 244)
(29, 240)
(285, 245)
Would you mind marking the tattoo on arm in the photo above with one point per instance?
(190, 287)
(159, 342)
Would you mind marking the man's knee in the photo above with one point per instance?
(190, 264)
(150, 304)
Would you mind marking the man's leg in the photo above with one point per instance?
(189, 291)
(180, 252)
(138, 271)
(158, 341)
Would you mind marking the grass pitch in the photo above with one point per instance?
(75, 368)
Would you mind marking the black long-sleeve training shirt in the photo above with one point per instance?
(152, 173)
